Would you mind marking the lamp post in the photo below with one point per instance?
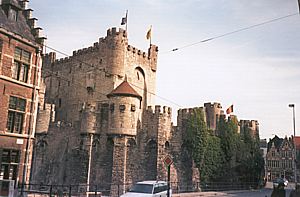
(295, 150)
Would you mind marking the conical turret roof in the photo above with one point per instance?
(124, 89)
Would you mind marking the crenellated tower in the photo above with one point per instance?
(116, 43)
(91, 73)
(213, 111)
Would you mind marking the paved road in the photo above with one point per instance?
(266, 192)
(255, 193)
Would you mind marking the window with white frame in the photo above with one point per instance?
(20, 67)
(16, 113)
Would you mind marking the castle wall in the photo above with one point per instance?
(58, 157)
(102, 162)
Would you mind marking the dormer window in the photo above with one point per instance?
(11, 9)
(12, 14)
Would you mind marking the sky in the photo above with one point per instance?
(256, 70)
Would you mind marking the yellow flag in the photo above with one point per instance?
(148, 35)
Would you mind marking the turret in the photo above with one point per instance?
(88, 119)
(152, 55)
(212, 112)
(116, 44)
(125, 110)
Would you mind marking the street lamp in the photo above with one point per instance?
(295, 150)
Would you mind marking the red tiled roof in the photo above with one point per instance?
(297, 141)
(124, 89)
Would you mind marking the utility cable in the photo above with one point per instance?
(232, 32)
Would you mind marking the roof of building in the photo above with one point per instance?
(277, 142)
(20, 26)
(124, 89)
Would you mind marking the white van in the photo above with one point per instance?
(148, 189)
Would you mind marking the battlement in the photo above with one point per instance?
(86, 50)
(62, 60)
(186, 112)
(152, 51)
(137, 51)
(114, 32)
(213, 105)
(49, 58)
(249, 123)
(159, 110)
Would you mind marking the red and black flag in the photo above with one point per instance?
(229, 110)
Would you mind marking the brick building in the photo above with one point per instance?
(20, 79)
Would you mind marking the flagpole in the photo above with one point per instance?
(150, 34)
(126, 21)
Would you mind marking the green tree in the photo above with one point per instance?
(213, 161)
(228, 131)
(204, 147)
(251, 162)
(197, 136)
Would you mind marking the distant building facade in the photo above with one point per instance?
(20, 80)
(280, 158)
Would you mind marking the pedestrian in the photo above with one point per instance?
(279, 191)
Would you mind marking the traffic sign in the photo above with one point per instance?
(168, 161)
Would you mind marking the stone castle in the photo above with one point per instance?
(98, 125)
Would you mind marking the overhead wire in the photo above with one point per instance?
(232, 32)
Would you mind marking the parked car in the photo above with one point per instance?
(148, 189)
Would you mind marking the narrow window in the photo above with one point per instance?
(122, 108)
(20, 67)
(132, 107)
(16, 113)
(112, 107)
(59, 102)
